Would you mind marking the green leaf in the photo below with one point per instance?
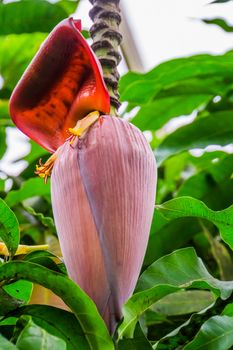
(215, 334)
(224, 194)
(200, 84)
(201, 184)
(2, 185)
(171, 72)
(16, 52)
(162, 235)
(221, 255)
(186, 270)
(188, 206)
(176, 271)
(69, 6)
(173, 100)
(30, 188)
(220, 23)
(154, 115)
(46, 259)
(206, 160)
(173, 170)
(4, 114)
(185, 326)
(45, 220)
(141, 93)
(183, 302)
(228, 310)
(219, 1)
(36, 152)
(33, 256)
(216, 129)
(20, 290)
(43, 258)
(138, 304)
(6, 345)
(5, 93)
(9, 228)
(47, 317)
(8, 303)
(183, 166)
(92, 325)
(138, 342)
(33, 16)
(86, 34)
(34, 337)
(2, 141)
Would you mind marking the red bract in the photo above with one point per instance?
(103, 193)
(62, 84)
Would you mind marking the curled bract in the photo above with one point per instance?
(62, 84)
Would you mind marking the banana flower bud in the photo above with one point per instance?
(103, 177)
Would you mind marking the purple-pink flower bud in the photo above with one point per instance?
(103, 194)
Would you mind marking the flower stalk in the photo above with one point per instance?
(106, 40)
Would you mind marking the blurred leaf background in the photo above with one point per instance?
(183, 297)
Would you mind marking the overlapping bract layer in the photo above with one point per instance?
(103, 184)
(103, 192)
(62, 84)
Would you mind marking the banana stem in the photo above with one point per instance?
(106, 17)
